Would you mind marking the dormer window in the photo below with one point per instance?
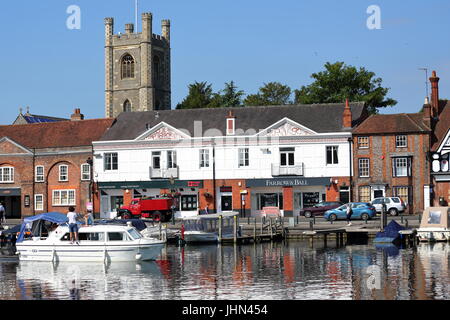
(231, 124)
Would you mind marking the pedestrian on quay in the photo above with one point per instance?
(73, 225)
(349, 214)
(88, 221)
(2, 213)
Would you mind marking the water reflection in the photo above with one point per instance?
(264, 271)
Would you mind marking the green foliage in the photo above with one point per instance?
(339, 82)
(272, 93)
(229, 97)
(201, 95)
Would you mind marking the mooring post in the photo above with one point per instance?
(262, 225)
(270, 227)
(254, 231)
(337, 240)
(401, 219)
(160, 230)
(406, 223)
(325, 240)
(220, 229)
(235, 229)
(314, 218)
(311, 225)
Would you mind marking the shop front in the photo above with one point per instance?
(115, 194)
(288, 194)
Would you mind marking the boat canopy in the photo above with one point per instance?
(435, 217)
(225, 215)
(54, 217)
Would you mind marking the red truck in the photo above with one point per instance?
(158, 209)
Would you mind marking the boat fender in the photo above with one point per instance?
(138, 256)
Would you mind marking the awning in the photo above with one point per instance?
(12, 192)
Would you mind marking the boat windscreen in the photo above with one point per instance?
(205, 225)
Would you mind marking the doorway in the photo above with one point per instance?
(13, 207)
(227, 203)
(378, 194)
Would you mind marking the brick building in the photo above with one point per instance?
(45, 166)
(440, 146)
(390, 158)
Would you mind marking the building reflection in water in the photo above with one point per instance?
(285, 271)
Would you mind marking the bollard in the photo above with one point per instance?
(311, 225)
(366, 219)
(298, 218)
(314, 218)
(402, 219)
(406, 225)
(235, 229)
(220, 229)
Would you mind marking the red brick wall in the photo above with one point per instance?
(24, 179)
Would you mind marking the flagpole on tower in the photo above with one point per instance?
(136, 15)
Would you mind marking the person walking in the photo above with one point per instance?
(2, 213)
(73, 226)
(349, 214)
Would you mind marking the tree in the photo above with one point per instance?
(339, 82)
(272, 93)
(200, 96)
(228, 97)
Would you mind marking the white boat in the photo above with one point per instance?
(97, 243)
(435, 225)
(205, 228)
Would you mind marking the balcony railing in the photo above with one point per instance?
(165, 173)
(296, 170)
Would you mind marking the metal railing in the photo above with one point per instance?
(164, 173)
(296, 170)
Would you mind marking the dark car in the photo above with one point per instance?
(320, 208)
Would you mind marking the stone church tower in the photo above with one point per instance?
(137, 68)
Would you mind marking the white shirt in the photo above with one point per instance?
(72, 217)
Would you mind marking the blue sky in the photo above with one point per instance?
(53, 69)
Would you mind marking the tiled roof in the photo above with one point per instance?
(393, 123)
(442, 126)
(57, 134)
(322, 118)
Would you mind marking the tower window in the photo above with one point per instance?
(127, 67)
(157, 67)
(127, 106)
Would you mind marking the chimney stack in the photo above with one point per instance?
(77, 116)
(427, 112)
(434, 94)
(347, 116)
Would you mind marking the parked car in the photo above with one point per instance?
(320, 208)
(361, 210)
(394, 205)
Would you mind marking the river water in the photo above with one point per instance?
(280, 271)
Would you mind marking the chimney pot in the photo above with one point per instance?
(77, 115)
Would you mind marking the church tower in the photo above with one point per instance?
(137, 68)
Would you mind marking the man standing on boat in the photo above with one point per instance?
(73, 226)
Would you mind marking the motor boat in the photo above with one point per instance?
(148, 229)
(97, 243)
(435, 225)
(205, 228)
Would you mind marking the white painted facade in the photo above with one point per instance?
(134, 157)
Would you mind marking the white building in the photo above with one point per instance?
(229, 158)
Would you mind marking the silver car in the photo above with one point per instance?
(394, 205)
